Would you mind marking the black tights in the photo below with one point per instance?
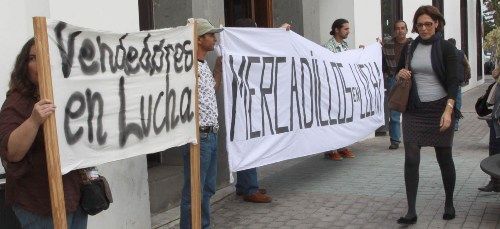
(412, 162)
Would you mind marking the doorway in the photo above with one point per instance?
(258, 10)
(392, 10)
(464, 27)
(479, 39)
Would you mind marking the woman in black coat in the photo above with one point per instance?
(431, 63)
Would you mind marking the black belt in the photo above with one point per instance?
(209, 129)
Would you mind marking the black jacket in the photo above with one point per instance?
(444, 63)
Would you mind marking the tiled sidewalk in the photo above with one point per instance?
(368, 191)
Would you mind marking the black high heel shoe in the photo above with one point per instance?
(449, 215)
(404, 220)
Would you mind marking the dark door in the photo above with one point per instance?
(479, 39)
(258, 10)
(146, 21)
(439, 4)
(464, 27)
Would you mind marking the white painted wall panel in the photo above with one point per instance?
(329, 11)
(409, 8)
(368, 18)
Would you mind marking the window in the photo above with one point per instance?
(479, 39)
(464, 27)
(392, 10)
(439, 4)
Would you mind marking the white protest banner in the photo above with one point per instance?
(287, 97)
(120, 95)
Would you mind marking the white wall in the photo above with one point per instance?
(363, 16)
(409, 8)
(329, 11)
(452, 17)
(368, 22)
(17, 27)
(310, 12)
(472, 41)
(128, 178)
(453, 30)
(211, 10)
(473, 47)
(111, 15)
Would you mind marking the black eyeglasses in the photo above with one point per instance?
(426, 24)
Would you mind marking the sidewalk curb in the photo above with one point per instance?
(171, 217)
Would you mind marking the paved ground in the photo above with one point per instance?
(368, 191)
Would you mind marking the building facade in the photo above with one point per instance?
(153, 184)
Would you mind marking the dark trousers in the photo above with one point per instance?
(494, 148)
(7, 217)
(246, 182)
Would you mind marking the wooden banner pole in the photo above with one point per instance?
(194, 149)
(49, 127)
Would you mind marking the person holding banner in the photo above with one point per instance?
(23, 151)
(391, 53)
(432, 65)
(339, 32)
(464, 75)
(247, 184)
(209, 126)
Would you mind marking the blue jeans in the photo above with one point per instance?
(208, 180)
(29, 220)
(494, 143)
(494, 147)
(395, 117)
(246, 182)
(458, 104)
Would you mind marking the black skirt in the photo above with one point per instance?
(421, 126)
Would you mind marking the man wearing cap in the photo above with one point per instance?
(208, 130)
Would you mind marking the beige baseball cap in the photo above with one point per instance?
(203, 26)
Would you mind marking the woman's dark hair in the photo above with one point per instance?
(19, 78)
(433, 12)
(245, 22)
(337, 24)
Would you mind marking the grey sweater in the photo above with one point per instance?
(428, 85)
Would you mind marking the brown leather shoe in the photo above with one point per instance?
(346, 153)
(257, 198)
(335, 156)
(261, 190)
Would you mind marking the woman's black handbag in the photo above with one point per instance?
(482, 105)
(95, 195)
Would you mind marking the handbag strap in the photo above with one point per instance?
(408, 54)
